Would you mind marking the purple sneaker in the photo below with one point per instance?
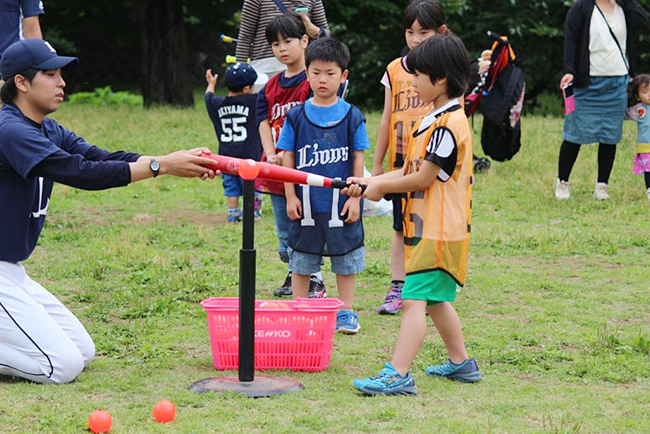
(392, 303)
(257, 210)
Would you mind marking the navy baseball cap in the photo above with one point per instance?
(241, 75)
(32, 53)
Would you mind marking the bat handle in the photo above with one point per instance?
(341, 183)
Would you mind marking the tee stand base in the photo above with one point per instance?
(260, 387)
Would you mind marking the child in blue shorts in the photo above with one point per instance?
(325, 136)
(234, 122)
(437, 175)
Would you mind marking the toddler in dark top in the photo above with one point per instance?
(234, 122)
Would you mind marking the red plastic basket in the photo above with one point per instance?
(292, 334)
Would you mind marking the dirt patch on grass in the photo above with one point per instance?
(165, 216)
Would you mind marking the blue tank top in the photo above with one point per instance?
(325, 151)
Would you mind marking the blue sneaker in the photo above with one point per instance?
(347, 322)
(388, 382)
(467, 372)
(233, 218)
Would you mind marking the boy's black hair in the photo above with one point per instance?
(429, 13)
(328, 50)
(442, 56)
(9, 91)
(289, 25)
(234, 88)
(639, 81)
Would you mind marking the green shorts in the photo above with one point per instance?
(432, 286)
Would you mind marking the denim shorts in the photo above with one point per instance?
(233, 185)
(307, 264)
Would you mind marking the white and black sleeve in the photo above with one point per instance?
(443, 152)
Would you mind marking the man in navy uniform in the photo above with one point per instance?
(40, 339)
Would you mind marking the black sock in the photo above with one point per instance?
(647, 180)
(606, 155)
(568, 155)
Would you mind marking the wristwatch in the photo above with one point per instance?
(154, 166)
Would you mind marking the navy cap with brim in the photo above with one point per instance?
(32, 53)
(62, 62)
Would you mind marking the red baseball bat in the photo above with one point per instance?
(273, 172)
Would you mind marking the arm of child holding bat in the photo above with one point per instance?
(294, 206)
(352, 206)
(360, 181)
(393, 182)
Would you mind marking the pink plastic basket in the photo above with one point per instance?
(292, 334)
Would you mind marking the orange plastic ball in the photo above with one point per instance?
(100, 421)
(249, 169)
(164, 411)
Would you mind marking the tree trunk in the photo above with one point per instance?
(166, 77)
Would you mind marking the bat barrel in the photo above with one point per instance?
(225, 164)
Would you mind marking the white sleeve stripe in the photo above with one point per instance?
(443, 175)
(442, 143)
(385, 80)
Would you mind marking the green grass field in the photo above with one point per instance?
(556, 309)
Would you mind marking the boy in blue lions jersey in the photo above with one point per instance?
(325, 136)
(236, 127)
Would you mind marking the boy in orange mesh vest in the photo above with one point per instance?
(437, 175)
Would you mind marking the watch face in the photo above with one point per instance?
(155, 166)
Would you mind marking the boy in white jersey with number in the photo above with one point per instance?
(325, 136)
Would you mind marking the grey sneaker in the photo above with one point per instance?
(467, 372)
(562, 191)
(316, 288)
(601, 191)
(285, 290)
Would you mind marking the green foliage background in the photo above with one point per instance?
(105, 36)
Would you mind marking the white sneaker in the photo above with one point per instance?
(601, 191)
(562, 190)
(647, 193)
